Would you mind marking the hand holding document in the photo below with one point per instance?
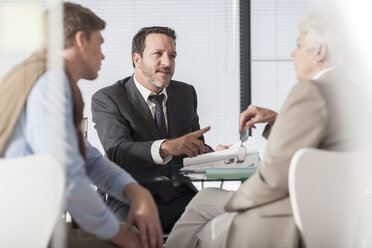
(228, 158)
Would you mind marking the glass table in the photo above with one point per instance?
(212, 177)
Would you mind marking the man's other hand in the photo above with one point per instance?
(126, 239)
(222, 147)
(253, 115)
(144, 215)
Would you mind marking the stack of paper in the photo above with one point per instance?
(224, 159)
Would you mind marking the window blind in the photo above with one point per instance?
(273, 36)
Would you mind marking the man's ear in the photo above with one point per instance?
(136, 58)
(79, 39)
(322, 53)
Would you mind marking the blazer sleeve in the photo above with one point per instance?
(114, 133)
(266, 131)
(301, 123)
(195, 121)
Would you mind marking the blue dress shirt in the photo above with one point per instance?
(46, 127)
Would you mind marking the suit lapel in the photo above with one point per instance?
(140, 109)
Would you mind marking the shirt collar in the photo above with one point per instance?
(146, 92)
(320, 73)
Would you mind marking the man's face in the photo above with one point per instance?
(304, 58)
(92, 55)
(157, 64)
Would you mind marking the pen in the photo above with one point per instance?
(244, 134)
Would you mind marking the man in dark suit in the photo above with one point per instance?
(147, 123)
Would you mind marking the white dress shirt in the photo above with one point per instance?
(155, 147)
(320, 73)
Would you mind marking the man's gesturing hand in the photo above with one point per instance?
(188, 144)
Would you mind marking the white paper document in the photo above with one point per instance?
(224, 159)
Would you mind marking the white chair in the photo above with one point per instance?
(326, 190)
(31, 190)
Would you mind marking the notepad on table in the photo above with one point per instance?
(224, 158)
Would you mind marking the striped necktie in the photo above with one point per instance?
(159, 115)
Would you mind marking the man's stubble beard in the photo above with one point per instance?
(156, 83)
(151, 78)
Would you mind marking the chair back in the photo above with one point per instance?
(326, 190)
(31, 189)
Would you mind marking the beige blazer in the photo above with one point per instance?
(315, 114)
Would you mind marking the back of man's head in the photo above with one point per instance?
(77, 18)
(138, 43)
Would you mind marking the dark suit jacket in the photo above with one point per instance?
(127, 129)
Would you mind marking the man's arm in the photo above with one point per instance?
(289, 134)
(118, 183)
(114, 132)
(106, 175)
(43, 112)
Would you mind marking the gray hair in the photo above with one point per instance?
(321, 28)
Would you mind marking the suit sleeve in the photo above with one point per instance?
(114, 132)
(195, 121)
(301, 123)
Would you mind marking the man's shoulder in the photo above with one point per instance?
(180, 85)
(304, 91)
(309, 86)
(114, 88)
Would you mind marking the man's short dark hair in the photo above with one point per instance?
(138, 43)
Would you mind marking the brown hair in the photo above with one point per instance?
(138, 43)
(76, 18)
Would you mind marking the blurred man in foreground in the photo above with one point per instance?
(28, 108)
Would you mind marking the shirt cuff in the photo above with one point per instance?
(119, 189)
(155, 153)
(266, 132)
(109, 229)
